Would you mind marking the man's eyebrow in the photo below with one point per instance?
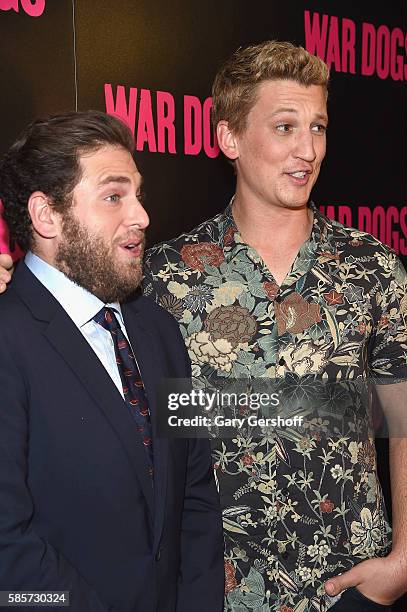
(286, 109)
(113, 178)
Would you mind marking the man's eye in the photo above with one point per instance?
(113, 198)
(283, 127)
(320, 128)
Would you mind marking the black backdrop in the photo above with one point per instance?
(76, 50)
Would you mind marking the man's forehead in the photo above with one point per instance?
(290, 96)
(109, 164)
(289, 87)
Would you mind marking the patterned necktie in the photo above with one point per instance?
(133, 388)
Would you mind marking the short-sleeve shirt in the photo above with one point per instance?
(297, 509)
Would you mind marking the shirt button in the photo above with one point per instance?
(158, 555)
(281, 361)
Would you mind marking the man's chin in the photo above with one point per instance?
(116, 293)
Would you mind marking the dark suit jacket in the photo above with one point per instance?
(77, 508)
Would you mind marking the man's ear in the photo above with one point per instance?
(227, 140)
(44, 218)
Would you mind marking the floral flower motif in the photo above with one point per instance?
(324, 549)
(337, 471)
(285, 608)
(247, 459)
(233, 323)
(227, 293)
(356, 242)
(295, 314)
(367, 455)
(173, 305)
(197, 255)
(198, 297)
(403, 305)
(271, 289)
(388, 261)
(362, 327)
(333, 298)
(240, 554)
(230, 577)
(306, 444)
(326, 505)
(218, 353)
(229, 235)
(306, 358)
(353, 293)
(304, 573)
(312, 550)
(366, 534)
(327, 256)
(178, 289)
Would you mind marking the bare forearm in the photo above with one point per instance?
(398, 478)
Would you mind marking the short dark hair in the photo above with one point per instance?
(45, 158)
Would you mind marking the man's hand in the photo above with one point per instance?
(383, 580)
(6, 270)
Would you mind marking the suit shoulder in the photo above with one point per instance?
(152, 312)
(11, 307)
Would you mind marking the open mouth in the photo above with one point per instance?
(133, 248)
(300, 174)
(300, 177)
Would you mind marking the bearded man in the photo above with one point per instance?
(96, 511)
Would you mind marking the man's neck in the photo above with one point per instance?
(277, 233)
(263, 226)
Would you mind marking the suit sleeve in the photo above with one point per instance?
(27, 562)
(201, 583)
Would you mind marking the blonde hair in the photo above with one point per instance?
(235, 86)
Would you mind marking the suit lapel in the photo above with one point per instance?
(149, 356)
(68, 341)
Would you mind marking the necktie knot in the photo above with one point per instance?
(106, 318)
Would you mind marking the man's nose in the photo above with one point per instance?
(137, 215)
(305, 147)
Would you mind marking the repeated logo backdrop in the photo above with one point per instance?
(153, 64)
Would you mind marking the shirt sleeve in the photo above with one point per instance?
(388, 345)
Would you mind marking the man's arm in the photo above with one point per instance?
(27, 562)
(201, 584)
(384, 580)
(6, 270)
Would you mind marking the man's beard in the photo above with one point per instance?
(86, 260)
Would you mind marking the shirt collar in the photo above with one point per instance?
(79, 304)
(320, 237)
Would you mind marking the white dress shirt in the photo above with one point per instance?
(81, 306)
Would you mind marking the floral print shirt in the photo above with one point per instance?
(298, 507)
